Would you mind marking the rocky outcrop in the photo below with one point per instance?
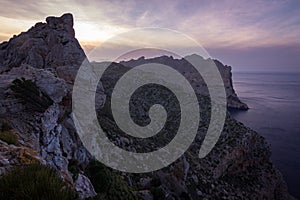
(37, 71)
(12, 155)
(51, 46)
(238, 167)
(185, 68)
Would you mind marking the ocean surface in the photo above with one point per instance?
(274, 101)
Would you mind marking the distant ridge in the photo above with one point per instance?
(183, 66)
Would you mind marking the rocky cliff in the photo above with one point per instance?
(37, 70)
(238, 167)
(185, 68)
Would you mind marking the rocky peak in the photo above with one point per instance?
(65, 22)
(37, 65)
(50, 46)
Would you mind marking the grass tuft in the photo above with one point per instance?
(34, 182)
(9, 137)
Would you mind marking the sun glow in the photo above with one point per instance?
(88, 32)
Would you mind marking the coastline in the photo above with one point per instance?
(273, 113)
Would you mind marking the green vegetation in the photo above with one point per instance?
(9, 137)
(108, 183)
(6, 133)
(31, 95)
(34, 182)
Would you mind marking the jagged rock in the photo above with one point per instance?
(54, 87)
(238, 166)
(12, 155)
(50, 45)
(84, 187)
(183, 66)
(47, 58)
(63, 23)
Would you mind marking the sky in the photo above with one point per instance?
(258, 35)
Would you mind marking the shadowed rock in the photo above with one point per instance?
(185, 68)
(37, 72)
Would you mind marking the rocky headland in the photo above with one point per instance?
(186, 69)
(37, 71)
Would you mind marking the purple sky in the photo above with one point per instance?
(258, 35)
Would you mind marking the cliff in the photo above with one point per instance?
(238, 167)
(185, 68)
(37, 71)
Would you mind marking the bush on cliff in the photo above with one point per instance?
(31, 95)
(108, 183)
(34, 182)
(9, 137)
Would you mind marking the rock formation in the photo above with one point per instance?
(183, 66)
(238, 166)
(37, 70)
(44, 60)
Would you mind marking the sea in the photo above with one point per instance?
(274, 101)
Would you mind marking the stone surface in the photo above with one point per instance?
(50, 46)
(48, 55)
(84, 187)
(183, 66)
(11, 155)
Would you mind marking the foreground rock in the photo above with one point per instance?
(37, 70)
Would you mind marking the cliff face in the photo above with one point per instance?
(238, 167)
(41, 65)
(185, 68)
(37, 70)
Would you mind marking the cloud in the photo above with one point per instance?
(244, 24)
(215, 24)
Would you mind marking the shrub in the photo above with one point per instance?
(31, 95)
(99, 175)
(9, 137)
(34, 182)
(108, 183)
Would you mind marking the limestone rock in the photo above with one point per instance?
(48, 57)
(50, 46)
(238, 166)
(84, 187)
(185, 68)
(12, 155)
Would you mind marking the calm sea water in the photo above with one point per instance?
(274, 101)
